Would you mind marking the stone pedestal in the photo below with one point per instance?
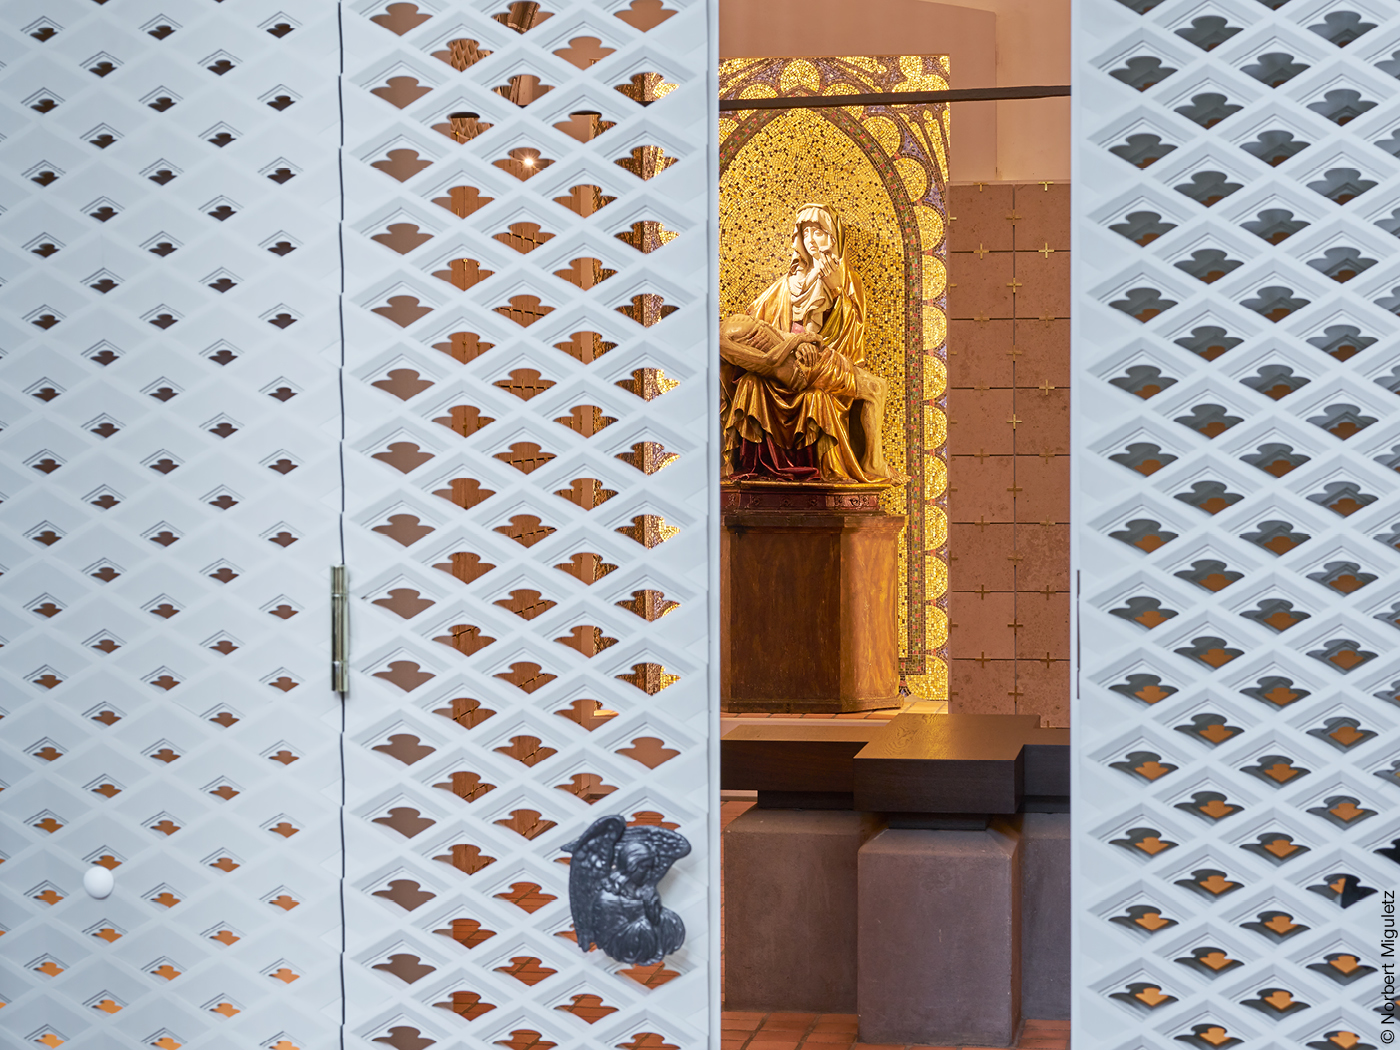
(790, 909)
(939, 947)
(809, 601)
(1045, 916)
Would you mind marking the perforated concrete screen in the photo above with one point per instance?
(170, 489)
(425, 289)
(529, 480)
(1237, 202)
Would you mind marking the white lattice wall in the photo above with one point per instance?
(169, 486)
(1237, 202)
(209, 207)
(529, 473)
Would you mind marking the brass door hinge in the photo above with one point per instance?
(340, 631)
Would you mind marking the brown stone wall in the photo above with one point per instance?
(1008, 444)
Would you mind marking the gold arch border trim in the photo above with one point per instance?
(908, 147)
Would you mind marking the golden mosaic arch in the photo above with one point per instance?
(884, 169)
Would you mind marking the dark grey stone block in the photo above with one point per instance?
(940, 953)
(1045, 916)
(790, 909)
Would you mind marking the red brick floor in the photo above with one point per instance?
(882, 716)
(791, 1031)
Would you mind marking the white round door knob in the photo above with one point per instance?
(99, 882)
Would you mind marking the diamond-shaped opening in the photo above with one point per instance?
(1342, 105)
(1208, 31)
(1208, 108)
(1341, 185)
(1275, 146)
(1341, 341)
(1342, 27)
(1208, 264)
(1274, 225)
(1142, 71)
(1274, 68)
(1275, 381)
(1208, 187)
(1142, 149)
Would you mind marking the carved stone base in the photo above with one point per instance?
(809, 601)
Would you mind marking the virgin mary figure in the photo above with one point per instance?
(793, 374)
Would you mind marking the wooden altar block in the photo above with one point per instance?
(809, 603)
(947, 764)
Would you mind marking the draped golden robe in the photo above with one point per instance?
(817, 416)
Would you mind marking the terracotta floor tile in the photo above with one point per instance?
(1060, 1025)
(831, 1037)
(759, 1043)
(742, 1015)
(877, 1046)
(789, 1020)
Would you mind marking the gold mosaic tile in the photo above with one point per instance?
(884, 170)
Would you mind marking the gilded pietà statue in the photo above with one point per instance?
(798, 403)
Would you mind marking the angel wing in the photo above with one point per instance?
(664, 847)
(589, 868)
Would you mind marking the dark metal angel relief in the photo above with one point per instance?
(612, 890)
